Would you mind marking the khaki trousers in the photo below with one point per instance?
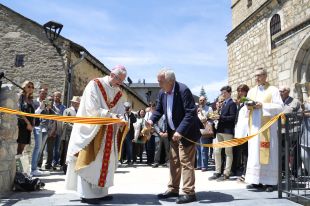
(182, 161)
(218, 157)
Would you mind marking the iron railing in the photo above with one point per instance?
(294, 161)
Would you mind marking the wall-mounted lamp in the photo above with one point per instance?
(52, 30)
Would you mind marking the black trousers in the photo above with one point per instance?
(150, 150)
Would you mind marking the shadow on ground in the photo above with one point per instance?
(126, 199)
(151, 199)
(15, 197)
(46, 180)
(213, 197)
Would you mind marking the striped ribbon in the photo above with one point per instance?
(108, 121)
(240, 141)
(71, 119)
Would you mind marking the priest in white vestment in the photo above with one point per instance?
(92, 155)
(262, 165)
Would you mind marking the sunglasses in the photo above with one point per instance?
(30, 87)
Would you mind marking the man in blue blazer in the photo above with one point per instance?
(225, 131)
(176, 101)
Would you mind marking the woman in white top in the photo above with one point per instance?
(138, 141)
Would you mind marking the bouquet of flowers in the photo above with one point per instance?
(213, 115)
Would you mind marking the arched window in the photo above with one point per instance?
(275, 24)
(275, 27)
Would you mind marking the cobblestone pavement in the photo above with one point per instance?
(139, 185)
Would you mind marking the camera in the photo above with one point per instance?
(47, 102)
(250, 103)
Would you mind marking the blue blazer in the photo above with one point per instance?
(184, 113)
(227, 118)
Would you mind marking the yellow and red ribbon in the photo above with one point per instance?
(108, 121)
(240, 141)
(71, 119)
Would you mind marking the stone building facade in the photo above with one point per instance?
(26, 53)
(275, 35)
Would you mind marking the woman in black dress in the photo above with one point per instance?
(25, 124)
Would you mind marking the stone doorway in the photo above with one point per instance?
(301, 70)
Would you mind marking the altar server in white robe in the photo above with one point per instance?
(262, 166)
(92, 155)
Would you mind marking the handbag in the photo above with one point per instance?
(207, 132)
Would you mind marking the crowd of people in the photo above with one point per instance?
(171, 132)
(49, 135)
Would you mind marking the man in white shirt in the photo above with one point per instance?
(66, 130)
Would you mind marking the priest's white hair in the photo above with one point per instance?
(119, 69)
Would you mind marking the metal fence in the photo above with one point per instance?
(294, 153)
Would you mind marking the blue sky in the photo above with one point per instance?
(187, 36)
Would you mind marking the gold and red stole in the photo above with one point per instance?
(264, 147)
(89, 153)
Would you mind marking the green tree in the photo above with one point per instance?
(203, 92)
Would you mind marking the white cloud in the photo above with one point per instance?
(130, 60)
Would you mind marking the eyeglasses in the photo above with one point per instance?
(118, 79)
(32, 87)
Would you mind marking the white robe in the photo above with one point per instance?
(242, 126)
(263, 173)
(92, 104)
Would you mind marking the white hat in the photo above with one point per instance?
(76, 99)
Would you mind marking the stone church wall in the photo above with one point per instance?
(247, 53)
(251, 45)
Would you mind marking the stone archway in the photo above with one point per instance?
(301, 70)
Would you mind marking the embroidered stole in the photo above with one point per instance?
(264, 147)
(89, 153)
